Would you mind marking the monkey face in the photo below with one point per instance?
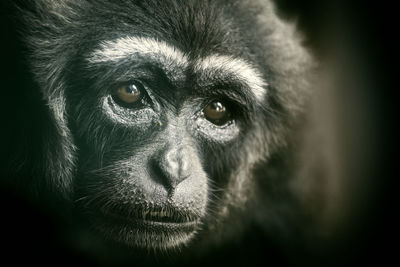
(153, 132)
(159, 110)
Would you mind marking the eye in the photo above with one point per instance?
(129, 95)
(217, 113)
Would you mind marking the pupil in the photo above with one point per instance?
(131, 89)
(218, 107)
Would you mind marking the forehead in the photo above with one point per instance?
(196, 28)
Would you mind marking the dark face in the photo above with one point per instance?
(158, 132)
(159, 110)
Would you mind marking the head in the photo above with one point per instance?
(158, 111)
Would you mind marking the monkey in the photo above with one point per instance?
(161, 125)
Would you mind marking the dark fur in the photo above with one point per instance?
(72, 139)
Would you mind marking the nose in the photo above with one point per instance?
(173, 166)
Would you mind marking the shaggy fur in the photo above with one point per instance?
(203, 44)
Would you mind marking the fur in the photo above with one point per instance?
(67, 40)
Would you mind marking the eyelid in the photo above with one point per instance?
(233, 93)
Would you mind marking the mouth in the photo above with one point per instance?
(155, 220)
(169, 227)
(165, 216)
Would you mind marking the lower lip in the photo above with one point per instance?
(166, 226)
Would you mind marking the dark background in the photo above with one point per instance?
(360, 31)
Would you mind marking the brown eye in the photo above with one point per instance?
(129, 93)
(217, 113)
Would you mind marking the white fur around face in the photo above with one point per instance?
(172, 59)
(245, 72)
(126, 47)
